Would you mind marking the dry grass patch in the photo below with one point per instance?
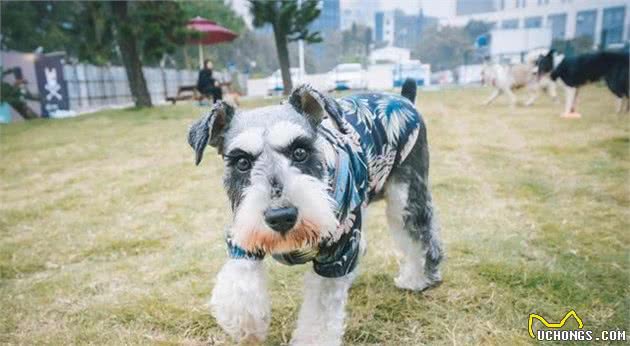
(111, 235)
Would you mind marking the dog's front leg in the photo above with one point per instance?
(510, 94)
(240, 302)
(534, 92)
(551, 90)
(321, 318)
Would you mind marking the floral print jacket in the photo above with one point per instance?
(370, 134)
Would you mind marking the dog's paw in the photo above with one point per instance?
(417, 282)
(240, 302)
(412, 284)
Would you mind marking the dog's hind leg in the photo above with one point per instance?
(413, 222)
(493, 96)
(513, 99)
(321, 317)
(570, 101)
(620, 104)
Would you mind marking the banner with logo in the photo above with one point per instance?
(53, 90)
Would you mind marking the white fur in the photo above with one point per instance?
(309, 195)
(249, 215)
(283, 133)
(570, 99)
(250, 140)
(505, 78)
(411, 275)
(240, 302)
(321, 318)
(621, 101)
(313, 201)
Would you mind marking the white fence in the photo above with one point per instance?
(93, 87)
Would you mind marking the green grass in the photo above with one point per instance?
(110, 234)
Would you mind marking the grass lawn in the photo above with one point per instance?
(111, 235)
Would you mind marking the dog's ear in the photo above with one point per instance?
(308, 102)
(551, 52)
(209, 129)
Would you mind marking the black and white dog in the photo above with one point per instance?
(586, 68)
(299, 177)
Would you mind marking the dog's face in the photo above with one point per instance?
(545, 63)
(275, 174)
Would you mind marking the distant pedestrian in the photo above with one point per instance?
(207, 85)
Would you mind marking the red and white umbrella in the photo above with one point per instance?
(212, 33)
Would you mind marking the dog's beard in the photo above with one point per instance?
(316, 216)
(304, 235)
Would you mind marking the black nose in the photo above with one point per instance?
(281, 219)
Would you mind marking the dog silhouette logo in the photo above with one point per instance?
(571, 313)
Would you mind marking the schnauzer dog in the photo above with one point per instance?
(299, 177)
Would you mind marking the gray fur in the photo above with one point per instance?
(209, 130)
(419, 218)
(307, 108)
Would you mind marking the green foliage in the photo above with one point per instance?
(85, 29)
(443, 48)
(26, 26)
(92, 33)
(447, 47)
(355, 43)
(159, 28)
(474, 28)
(578, 45)
(286, 18)
(217, 11)
(289, 23)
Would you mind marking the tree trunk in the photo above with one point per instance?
(126, 40)
(283, 59)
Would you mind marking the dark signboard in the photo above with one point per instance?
(53, 90)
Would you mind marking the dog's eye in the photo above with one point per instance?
(299, 154)
(243, 164)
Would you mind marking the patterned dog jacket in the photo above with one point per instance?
(369, 135)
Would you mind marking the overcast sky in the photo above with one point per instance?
(436, 8)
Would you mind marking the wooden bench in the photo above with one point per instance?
(190, 93)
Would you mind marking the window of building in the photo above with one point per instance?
(533, 22)
(464, 7)
(612, 25)
(558, 25)
(585, 23)
(509, 24)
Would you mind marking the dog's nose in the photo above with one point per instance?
(281, 219)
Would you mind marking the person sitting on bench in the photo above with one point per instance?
(207, 85)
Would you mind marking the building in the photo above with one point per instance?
(390, 55)
(463, 8)
(604, 21)
(399, 29)
(358, 12)
(329, 18)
